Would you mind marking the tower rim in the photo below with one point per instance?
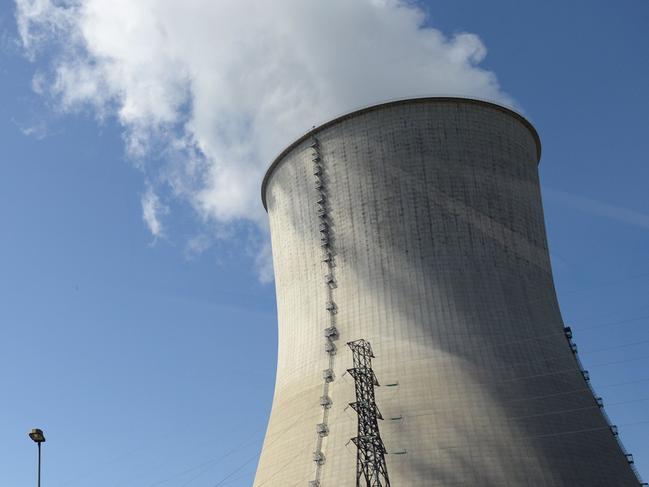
(403, 101)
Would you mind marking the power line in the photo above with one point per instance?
(605, 284)
(562, 433)
(588, 429)
(549, 435)
(483, 346)
(574, 391)
(566, 370)
(615, 347)
(278, 435)
(209, 464)
(549, 413)
(238, 469)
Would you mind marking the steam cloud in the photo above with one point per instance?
(219, 87)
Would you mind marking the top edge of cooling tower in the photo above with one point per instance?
(406, 101)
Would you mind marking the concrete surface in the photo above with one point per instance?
(440, 261)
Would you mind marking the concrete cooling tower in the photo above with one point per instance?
(417, 226)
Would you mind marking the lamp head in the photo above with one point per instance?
(37, 435)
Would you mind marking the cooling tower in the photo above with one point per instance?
(417, 225)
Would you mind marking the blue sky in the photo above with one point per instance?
(149, 360)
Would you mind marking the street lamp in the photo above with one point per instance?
(38, 437)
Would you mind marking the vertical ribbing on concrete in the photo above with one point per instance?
(441, 262)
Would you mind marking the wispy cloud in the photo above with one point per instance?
(264, 262)
(220, 87)
(152, 212)
(38, 129)
(196, 245)
(598, 208)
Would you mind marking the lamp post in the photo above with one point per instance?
(38, 437)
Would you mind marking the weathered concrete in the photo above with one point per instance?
(441, 262)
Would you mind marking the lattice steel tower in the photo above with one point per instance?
(417, 225)
(371, 470)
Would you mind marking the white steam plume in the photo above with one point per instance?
(220, 86)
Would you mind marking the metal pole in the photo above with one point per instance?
(39, 464)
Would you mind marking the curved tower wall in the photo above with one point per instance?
(440, 260)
